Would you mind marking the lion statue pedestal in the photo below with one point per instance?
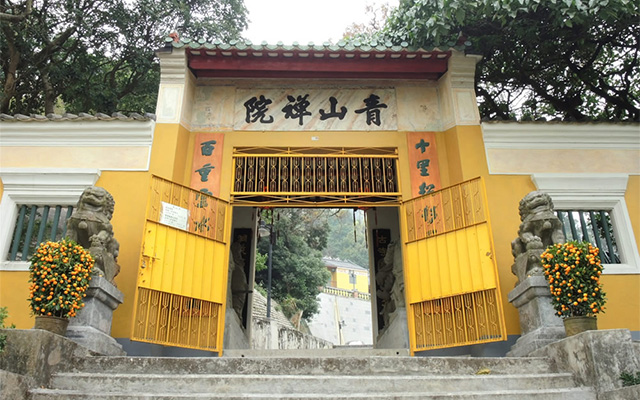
(540, 228)
(90, 226)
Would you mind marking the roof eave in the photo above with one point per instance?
(296, 63)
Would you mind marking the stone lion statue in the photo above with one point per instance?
(238, 285)
(90, 226)
(539, 229)
(390, 282)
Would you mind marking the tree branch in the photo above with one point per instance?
(18, 17)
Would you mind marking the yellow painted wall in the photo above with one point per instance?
(14, 291)
(172, 148)
(623, 291)
(130, 192)
(623, 302)
(342, 282)
(465, 159)
(632, 198)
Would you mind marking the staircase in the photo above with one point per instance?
(320, 374)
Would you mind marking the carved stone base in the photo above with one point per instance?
(396, 335)
(535, 340)
(92, 327)
(94, 340)
(539, 324)
(527, 265)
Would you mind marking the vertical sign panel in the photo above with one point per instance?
(423, 163)
(207, 163)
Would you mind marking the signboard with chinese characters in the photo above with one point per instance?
(207, 158)
(315, 109)
(174, 216)
(423, 163)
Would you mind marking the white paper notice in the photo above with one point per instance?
(174, 216)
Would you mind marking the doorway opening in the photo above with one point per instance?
(336, 276)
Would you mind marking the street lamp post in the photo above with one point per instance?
(269, 270)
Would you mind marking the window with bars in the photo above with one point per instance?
(36, 224)
(594, 226)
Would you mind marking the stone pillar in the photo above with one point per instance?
(539, 323)
(92, 327)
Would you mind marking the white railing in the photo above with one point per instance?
(346, 293)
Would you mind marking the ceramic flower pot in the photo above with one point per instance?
(575, 325)
(52, 324)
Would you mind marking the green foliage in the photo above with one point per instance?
(628, 379)
(289, 306)
(342, 243)
(303, 237)
(98, 55)
(4, 314)
(571, 59)
(298, 270)
(59, 274)
(261, 289)
(573, 271)
(261, 262)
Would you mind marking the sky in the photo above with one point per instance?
(303, 21)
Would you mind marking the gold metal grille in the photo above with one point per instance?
(326, 176)
(206, 213)
(170, 319)
(182, 275)
(452, 278)
(470, 318)
(446, 210)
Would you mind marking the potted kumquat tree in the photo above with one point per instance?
(573, 271)
(59, 275)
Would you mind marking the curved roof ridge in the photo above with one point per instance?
(116, 116)
(339, 263)
(373, 45)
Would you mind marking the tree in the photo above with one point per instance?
(98, 55)
(343, 242)
(298, 270)
(568, 59)
(377, 18)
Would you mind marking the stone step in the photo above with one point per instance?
(548, 394)
(304, 384)
(343, 351)
(407, 366)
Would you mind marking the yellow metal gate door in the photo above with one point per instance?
(181, 288)
(450, 270)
